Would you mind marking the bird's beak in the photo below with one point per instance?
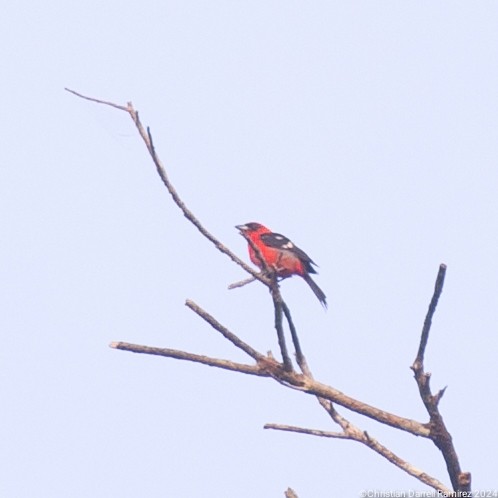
(241, 228)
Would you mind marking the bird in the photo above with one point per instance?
(281, 255)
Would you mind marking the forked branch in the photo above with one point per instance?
(354, 434)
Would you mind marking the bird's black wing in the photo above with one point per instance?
(279, 241)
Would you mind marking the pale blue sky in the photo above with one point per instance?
(364, 131)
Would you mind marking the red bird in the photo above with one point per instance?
(280, 254)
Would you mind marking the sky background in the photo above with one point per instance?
(364, 131)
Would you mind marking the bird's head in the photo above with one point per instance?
(250, 228)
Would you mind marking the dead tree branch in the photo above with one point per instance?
(354, 434)
(303, 430)
(236, 341)
(461, 481)
(283, 373)
(424, 338)
(301, 361)
(241, 283)
(196, 358)
(147, 138)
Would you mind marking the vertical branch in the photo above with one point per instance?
(278, 304)
(438, 431)
(438, 289)
(272, 283)
(301, 360)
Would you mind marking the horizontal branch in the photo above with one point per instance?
(303, 430)
(196, 358)
(311, 386)
(268, 367)
(241, 283)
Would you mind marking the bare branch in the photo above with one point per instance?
(353, 433)
(284, 373)
(224, 331)
(183, 355)
(98, 101)
(277, 303)
(303, 430)
(438, 289)
(403, 464)
(342, 422)
(301, 361)
(147, 138)
(241, 283)
(350, 431)
(438, 431)
(311, 386)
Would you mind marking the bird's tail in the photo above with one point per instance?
(318, 292)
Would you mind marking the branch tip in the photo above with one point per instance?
(439, 395)
(290, 493)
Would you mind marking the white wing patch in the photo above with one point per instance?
(278, 241)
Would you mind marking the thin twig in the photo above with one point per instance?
(354, 434)
(241, 283)
(301, 360)
(341, 421)
(147, 138)
(224, 331)
(277, 303)
(403, 464)
(350, 431)
(438, 289)
(98, 101)
(303, 430)
(183, 355)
